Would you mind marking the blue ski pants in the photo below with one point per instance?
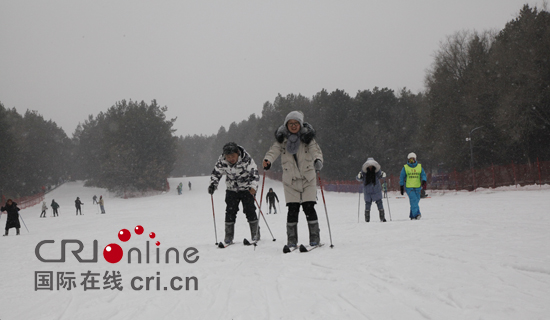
(414, 199)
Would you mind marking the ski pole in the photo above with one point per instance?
(20, 217)
(279, 206)
(359, 205)
(264, 220)
(260, 207)
(326, 212)
(262, 194)
(389, 210)
(214, 215)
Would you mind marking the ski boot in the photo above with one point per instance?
(254, 230)
(314, 237)
(382, 216)
(229, 232)
(292, 234)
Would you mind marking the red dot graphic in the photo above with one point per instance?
(112, 253)
(124, 235)
(138, 230)
(152, 235)
(157, 243)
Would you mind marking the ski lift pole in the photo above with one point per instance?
(326, 212)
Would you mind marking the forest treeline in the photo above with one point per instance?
(496, 83)
(492, 86)
(131, 147)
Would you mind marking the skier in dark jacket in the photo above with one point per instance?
(13, 216)
(370, 175)
(270, 198)
(241, 184)
(77, 204)
(54, 206)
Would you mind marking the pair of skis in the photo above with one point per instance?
(222, 245)
(286, 249)
(302, 248)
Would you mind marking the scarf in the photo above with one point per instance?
(293, 143)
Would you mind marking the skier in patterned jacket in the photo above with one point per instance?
(241, 184)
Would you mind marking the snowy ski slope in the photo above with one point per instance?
(474, 255)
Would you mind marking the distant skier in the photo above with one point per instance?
(77, 204)
(179, 188)
(385, 188)
(189, 184)
(54, 206)
(44, 209)
(101, 204)
(241, 184)
(413, 180)
(370, 176)
(270, 199)
(301, 157)
(13, 216)
(94, 199)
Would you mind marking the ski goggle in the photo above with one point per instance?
(412, 160)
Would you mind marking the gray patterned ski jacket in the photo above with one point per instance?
(241, 176)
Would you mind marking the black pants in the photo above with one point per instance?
(78, 209)
(272, 205)
(232, 200)
(55, 214)
(294, 210)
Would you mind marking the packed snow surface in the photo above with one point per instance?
(473, 255)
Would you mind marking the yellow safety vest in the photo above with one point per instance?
(413, 176)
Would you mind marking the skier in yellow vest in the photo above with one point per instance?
(413, 180)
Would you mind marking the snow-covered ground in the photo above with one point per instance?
(474, 255)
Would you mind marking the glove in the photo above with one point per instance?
(360, 175)
(267, 165)
(318, 165)
(211, 189)
(424, 185)
(402, 190)
(383, 174)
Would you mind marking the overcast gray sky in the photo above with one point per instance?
(215, 62)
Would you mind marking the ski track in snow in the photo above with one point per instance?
(474, 255)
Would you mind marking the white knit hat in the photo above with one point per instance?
(295, 115)
(412, 155)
